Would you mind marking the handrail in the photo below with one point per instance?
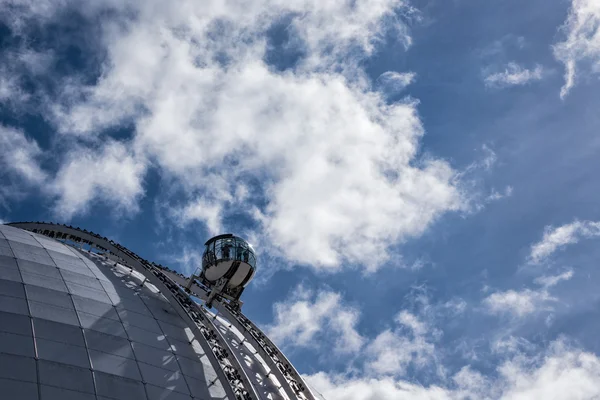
(283, 369)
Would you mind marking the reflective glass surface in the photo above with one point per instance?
(227, 247)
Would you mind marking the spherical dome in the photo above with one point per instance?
(88, 318)
(76, 325)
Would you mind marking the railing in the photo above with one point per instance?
(283, 369)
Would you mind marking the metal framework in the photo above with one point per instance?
(229, 370)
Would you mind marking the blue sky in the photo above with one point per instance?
(418, 178)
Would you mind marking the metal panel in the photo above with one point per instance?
(13, 305)
(13, 289)
(17, 367)
(5, 251)
(164, 378)
(62, 352)
(127, 301)
(48, 296)
(97, 308)
(18, 390)
(176, 332)
(111, 344)
(66, 258)
(7, 260)
(76, 268)
(39, 258)
(53, 313)
(105, 325)
(10, 274)
(207, 388)
(191, 367)
(54, 393)
(20, 345)
(159, 393)
(118, 388)
(191, 350)
(31, 267)
(81, 279)
(158, 358)
(111, 364)
(139, 320)
(14, 323)
(34, 248)
(65, 376)
(44, 281)
(58, 332)
(84, 291)
(157, 340)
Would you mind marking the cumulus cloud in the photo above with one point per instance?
(581, 47)
(393, 350)
(206, 211)
(339, 387)
(518, 303)
(562, 374)
(558, 238)
(514, 75)
(112, 174)
(559, 373)
(20, 155)
(340, 178)
(307, 315)
(526, 301)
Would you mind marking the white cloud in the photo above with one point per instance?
(559, 373)
(581, 47)
(473, 178)
(495, 195)
(20, 155)
(509, 345)
(549, 281)
(306, 316)
(527, 301)
(392, 82)
(10, 90)
(410, 320)
(455, 306)
(111, 173)
(514, 75)
(189, 260)
(490, 158)
(339, 387)
(393, 350)
(562, 374)
(520, 303)
(206, 211)
(557, 238)
(339, 168)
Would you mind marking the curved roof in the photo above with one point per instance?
(223, 357)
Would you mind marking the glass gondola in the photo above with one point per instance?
(228, 257)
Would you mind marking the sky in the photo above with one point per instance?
(419, 178)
